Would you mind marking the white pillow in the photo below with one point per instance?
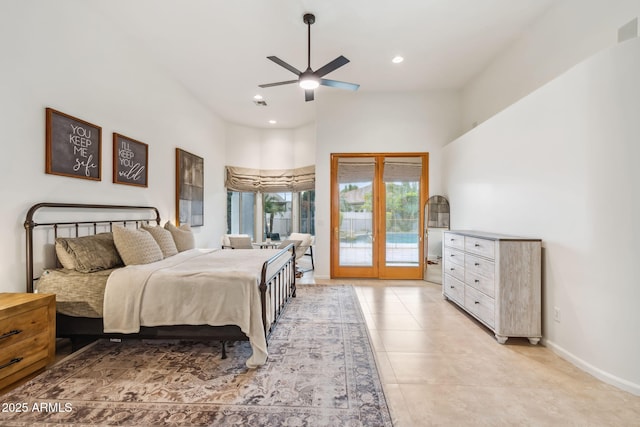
(136, 246)
(226, 238)
(182, 236)
(163, 238)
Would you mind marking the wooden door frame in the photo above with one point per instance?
(379, 243)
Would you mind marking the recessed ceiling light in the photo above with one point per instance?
(257, 97)
(397, 59)
(273, 122)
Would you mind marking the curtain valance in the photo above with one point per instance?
(270, 180)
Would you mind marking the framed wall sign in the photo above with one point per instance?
(189, 188)
(73, 146)
(130, 161)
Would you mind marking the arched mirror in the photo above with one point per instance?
(437, 221)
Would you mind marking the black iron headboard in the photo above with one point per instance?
(30, 224)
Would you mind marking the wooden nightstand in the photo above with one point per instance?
(27, 335)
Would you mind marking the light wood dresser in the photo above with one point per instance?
(27, 335)
(497, 279)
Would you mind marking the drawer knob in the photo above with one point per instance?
(477, 302)
(453, 255)
(10, 333)
(476, 264)
(11, 362)
(477, 245)
(452, 287)
(477, 281)
(452, 269)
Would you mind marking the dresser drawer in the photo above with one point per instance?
(482, 247)
(479, 266)
(453, 269)
(454, 255)
(484, 285)
(453, 240)
(480, 305)
(454, 289)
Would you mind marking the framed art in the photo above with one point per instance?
(130, 161)
(73, 146)
(189, 188)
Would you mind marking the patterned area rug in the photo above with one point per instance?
(320, 372)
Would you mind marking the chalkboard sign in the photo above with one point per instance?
(130, 161)
(74, 146)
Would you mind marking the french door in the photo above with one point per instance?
(377, 215)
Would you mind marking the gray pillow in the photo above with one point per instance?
(91, 253)
(240, 242)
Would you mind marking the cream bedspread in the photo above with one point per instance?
(196, 287)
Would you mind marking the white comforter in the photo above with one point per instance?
(195, 287)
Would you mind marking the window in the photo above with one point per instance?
(241, 213)
(307, 212)
(277, 215)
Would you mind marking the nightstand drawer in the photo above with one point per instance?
(23, 326)
(26, 355)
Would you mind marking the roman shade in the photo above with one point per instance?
(270, 180)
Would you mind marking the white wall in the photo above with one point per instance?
(378, 122)
(270, 148)
(62, 55)
(565, 35)
(560, 165)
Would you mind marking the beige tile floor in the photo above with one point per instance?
(441, 367)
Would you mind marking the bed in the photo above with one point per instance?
(204, 294)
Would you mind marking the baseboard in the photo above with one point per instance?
(321, 276)
(596, 372)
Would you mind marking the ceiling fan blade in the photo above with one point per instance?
(336, 63)
(308, 95)
(281, 63)
(278, 83)
(339, 85)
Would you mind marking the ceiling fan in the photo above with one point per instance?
(309, 79)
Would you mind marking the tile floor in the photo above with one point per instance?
(441, 367)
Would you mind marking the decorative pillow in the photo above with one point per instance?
(65, 258)
(90, 253)
(136, 246)
(240, 242)
(163, 238)
(182, 236)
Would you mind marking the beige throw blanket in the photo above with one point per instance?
(195, 287)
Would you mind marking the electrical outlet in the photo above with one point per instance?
(556, 314)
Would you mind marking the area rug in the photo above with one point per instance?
(321, 371)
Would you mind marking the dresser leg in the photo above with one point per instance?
(534, 340)
(501, 339)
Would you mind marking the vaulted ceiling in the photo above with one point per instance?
(217, 49)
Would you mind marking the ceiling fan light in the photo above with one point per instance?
(309, 83)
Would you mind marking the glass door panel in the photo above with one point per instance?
(355, 186)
